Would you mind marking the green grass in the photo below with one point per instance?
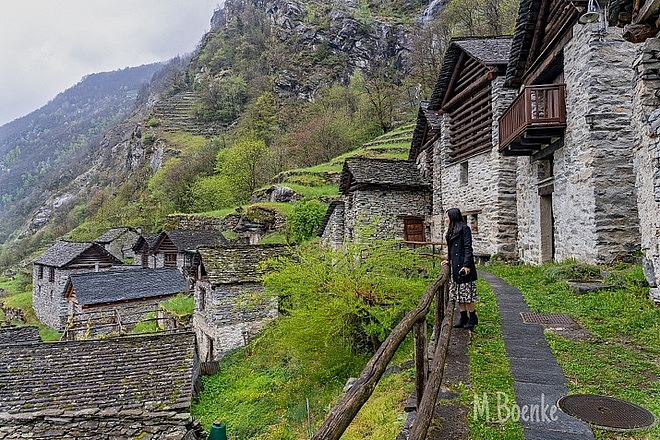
(622, 357)
(186, 141)
(489, 374)
(180, 305)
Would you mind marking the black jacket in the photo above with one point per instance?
(460, 254)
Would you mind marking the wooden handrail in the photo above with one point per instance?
(343, 413)
(535, 106)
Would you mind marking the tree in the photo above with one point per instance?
(240, 167)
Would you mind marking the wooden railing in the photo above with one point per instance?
(535, 106)
(427, 380)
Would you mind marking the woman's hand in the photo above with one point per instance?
(445, 262)
(465, 271)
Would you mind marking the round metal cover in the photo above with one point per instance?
(607, 412)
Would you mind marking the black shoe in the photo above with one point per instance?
(472, 321)
(464, 320)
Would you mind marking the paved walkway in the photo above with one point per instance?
(538, 381)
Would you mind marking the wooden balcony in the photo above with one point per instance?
(533, 120)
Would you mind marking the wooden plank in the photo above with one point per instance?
(454, 76)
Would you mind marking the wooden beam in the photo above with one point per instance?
(454, 77)
(480, 83)
(647, 12)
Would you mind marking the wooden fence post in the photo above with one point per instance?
(421, 357)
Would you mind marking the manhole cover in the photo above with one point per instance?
(546, 318)
(607, 412)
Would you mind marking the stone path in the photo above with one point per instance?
(538, 381)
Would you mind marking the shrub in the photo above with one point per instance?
(305, 220)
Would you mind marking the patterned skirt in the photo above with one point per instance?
(464, 292)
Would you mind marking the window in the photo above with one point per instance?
(170, 260)
(463, 178)
(51, 274)
(471, 219)
(40, 270)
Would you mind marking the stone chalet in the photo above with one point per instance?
(382, 199)
(171, 248)
(114, 388)
(51, 273)
(455, 148)
(535, 128)
(117, 300)
(230, 304)
(119, 242)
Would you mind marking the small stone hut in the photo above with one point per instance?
(231, 306)
(129, 387)
(381, 199)
(119, 242)
(51, 271)
(117, 300)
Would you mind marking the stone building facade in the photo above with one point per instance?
(591, 179)
(231, 306)
(380, 199)
(646, 126)
(51, 271)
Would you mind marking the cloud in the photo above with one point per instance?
(48, 46)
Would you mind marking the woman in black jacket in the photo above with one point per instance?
(462, 282)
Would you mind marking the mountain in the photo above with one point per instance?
(310, 79)
(44, 150)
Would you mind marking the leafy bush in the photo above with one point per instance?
(303, 223)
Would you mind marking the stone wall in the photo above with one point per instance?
(646, 126)
(483, 186)
(48, 302)
(99, 425)
(130, 312)
(594, 196)
(228, 316)
(377, 213)
(333, 234)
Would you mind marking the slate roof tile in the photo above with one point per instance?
(380, 172)
(113, 286)
(19, 335)
(146, 373)
(192, 239)
(64, 252)
(238, 263)
(112, 234)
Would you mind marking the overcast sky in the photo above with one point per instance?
(47, 46)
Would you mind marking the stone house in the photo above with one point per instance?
(642, 29)
(177, 248)
(455, 145)
(381, 199)
(51, 271)
(119, 242)
(142, 249)
(128, 387)
(114, 301)
(570, 129)
(231, 306)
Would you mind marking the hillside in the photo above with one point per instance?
(272, 87)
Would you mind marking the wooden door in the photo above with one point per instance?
(413, 229)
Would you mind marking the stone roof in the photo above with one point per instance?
(328, 213)
(19, 335)
(489, 51)
(112, 234)
(147, 240)
(239, 263)
(379, 172)
(192, 239)
(427, 121)
(63, 253)
(102, 376)
(113, 286)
